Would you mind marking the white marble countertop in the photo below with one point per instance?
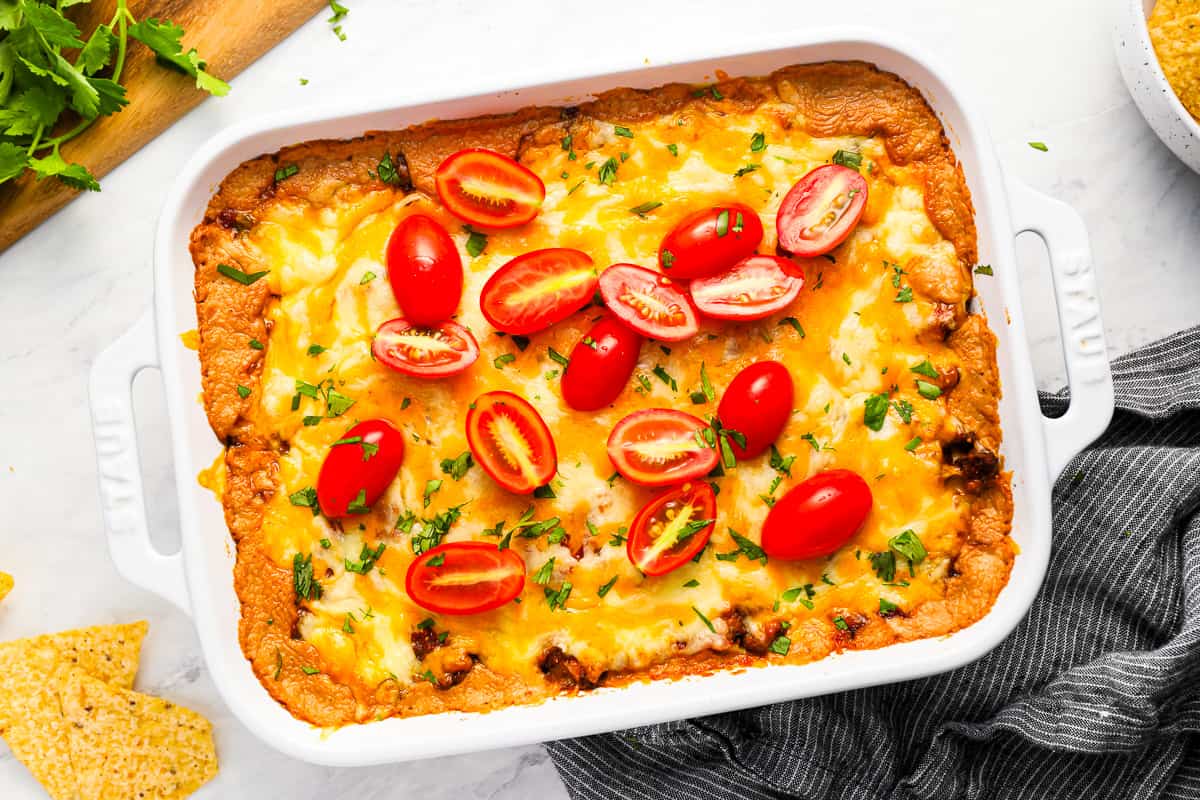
(1041, 71)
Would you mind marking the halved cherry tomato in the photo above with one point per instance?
(672, 528)
(425, 352)
(821, 210)
(817, 516)
(709, 241)
(465, 578)
(486, 188)
(511, 442)
(425, 270)
(758, 404)
(661, 446)
(358, 468)
(600, 365)
(648, 302)
(538, 289)
(754, 288)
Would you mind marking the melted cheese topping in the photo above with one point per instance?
(329, 273)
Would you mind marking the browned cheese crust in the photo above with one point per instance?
(831, 99)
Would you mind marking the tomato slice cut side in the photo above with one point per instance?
(465, 578)
(538, 289)
(487, 188)
(358, 468)
(710, 240)
(821, 210)
(649, 303)
(754, 288)
(424, 352)
(672, 528)
(509, 439)
(661, 446)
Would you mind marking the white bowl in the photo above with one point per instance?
(1144, 76)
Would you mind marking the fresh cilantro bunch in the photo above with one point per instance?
(42, 91)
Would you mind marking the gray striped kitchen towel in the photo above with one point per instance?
(1095, 695)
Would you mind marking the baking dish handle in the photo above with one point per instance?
(1081, 327)
(122, 494)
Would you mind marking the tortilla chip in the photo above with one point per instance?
(130, 745)
(1175, 31)
(6, 584)
(31, 680)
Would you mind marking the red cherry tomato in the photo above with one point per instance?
(486, 188)
(758, 404)
(600, 365)
(511, 442)
(661, 446)
(465, 578)
(668, 530)
(649, 303)
(538, 289)
(425, 270)
(817, 517)
(425, 352)
(709, 241)
(821, 210)
(358, 468)
(754, 288)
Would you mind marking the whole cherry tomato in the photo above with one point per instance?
(600, 365)
(709, 241)
(757, 404)
(425, 270)
(359, 468)
(817, 516)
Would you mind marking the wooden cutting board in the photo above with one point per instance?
(230, 35)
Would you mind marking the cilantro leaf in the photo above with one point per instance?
(165, 38)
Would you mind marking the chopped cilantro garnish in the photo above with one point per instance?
(244, 278)
(621, 130)
(848, 158)
(661, 373)
(928, 390)
(795, 323)
(608, 172)
(758, 142)
(875, 411)
(304, 583)
(542, 576)
(557, 356)
(476, 242)
(457, 467)
(643, 209)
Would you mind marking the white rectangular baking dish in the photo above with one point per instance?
(199, 578)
